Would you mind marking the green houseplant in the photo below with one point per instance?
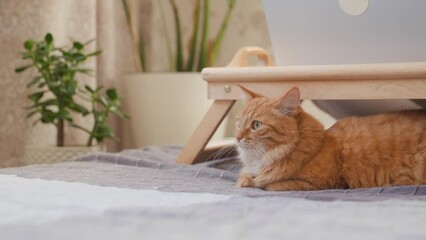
(202, 50)
(183, 90)
(55, 92)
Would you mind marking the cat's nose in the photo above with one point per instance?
(239, 138)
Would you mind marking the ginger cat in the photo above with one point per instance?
(284, 148)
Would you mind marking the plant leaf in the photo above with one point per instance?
(34, 81)
(179, 47)
(219, 38)
(202, 62)
(23, 68)
(64, 114)
(194, 37)
(112, 94)
(36, 121)
(82, 70)
(48, 38)
(94, 53)
(90, 41)
(88, 88)
(71, 87)
(102, 100)
(79, 57)
(29, 45)
(36, 96)
(80, 127)
(78, 108)
(78, 45)
(48, 116)
(32, 113)
(121, 114)
(50, 102)
(103, 132)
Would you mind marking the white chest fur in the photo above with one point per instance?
(254, 161)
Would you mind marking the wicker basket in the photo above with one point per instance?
(53, 154)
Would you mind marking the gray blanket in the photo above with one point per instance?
(35, 209)
(154, 168)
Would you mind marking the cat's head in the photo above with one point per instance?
(265, 123)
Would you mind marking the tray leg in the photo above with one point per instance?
(205, 130)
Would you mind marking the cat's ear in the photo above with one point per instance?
(289, 102)
(249, 94)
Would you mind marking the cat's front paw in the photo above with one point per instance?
(245, 181)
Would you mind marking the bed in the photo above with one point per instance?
(143, 194)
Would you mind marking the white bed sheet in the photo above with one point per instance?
(42, 209)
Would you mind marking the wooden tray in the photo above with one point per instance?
(358, 81)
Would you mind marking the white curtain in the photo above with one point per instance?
(77, 19)
(103, 20)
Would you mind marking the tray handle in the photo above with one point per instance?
(241, 58)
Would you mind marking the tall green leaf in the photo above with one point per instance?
(194, 37)
(202, 62)
(166, 35)
(219, 38)
(179, 53)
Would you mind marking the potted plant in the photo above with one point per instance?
(170, 117)
(54, 94)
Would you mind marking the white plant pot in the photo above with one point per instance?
(52, 154)
(165, 108)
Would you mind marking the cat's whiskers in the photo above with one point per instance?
(245, 143)
(232, 152)
(233, 149)
(218, 154)
(260, 152)
(214, 155)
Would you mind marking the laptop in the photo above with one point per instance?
(316, 32)
(320, 32)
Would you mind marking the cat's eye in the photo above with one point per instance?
(256, 124)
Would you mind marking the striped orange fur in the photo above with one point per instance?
(284, 148)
